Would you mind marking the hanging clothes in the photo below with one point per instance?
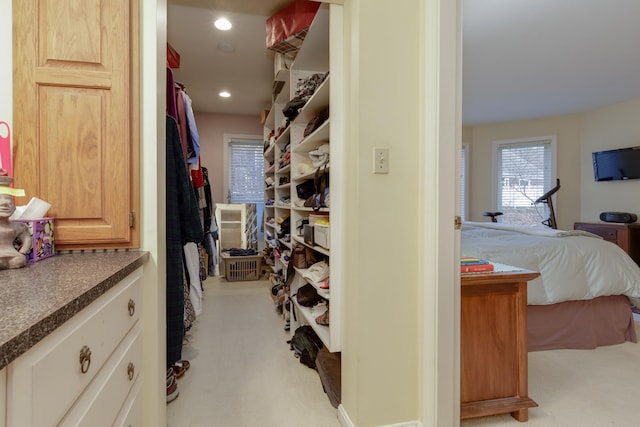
(194, 143)
(183, 226)
(172, 110)
(192, 259)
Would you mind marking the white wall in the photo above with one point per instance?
(615, 126)
(211, 130)
(399, 322)
(153, 39)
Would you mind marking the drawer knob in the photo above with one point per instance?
(85, 359)
(132, 307)
(131, 369)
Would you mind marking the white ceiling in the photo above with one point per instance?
(522, 59)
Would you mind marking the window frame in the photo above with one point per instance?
(228, 140)
(496, 145)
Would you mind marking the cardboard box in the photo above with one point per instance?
(42, 240)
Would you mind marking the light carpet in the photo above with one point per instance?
(244, 375)
(242, 372)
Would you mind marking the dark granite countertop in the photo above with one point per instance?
(40, 297)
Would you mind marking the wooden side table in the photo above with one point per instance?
(493, 347)
(627, 236)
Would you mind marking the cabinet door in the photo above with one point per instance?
(73, 116)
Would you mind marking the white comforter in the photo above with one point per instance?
(573, 265)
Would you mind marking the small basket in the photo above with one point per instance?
(239, 268)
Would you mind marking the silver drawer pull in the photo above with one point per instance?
(132, 307)
(131, 370)
(85, 359)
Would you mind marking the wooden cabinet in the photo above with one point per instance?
(627, 236)
(493, 344)
(84, 372)
(76, 117)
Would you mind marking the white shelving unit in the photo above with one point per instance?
(238, 225)
(323, 42)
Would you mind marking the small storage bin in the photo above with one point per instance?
(239, 268)
(321, 234)
(42, 242)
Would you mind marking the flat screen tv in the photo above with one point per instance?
(612, 165)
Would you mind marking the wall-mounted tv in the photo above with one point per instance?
(611, 165)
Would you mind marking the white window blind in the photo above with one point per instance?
(524, 173)
(246, 172)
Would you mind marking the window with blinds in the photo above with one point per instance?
(246, 172)
(525, 171)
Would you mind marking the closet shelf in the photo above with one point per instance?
(309, 316)
(316, 248)
(314, 139)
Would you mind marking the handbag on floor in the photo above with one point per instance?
(305, 344)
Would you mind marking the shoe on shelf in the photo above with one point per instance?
(172, 386)
(323, 319)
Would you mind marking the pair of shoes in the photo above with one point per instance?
(323, 319)
(180, 367)
(172, 386)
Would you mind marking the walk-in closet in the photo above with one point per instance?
(253, 293)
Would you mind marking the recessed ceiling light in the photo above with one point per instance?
(222, 24)
(224, 94)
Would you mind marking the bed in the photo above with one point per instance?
(582, 298)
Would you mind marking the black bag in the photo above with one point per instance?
(306, 189)
(321, 185)
(317, 121)
(293, 107)
(307, 296)
(305, 343)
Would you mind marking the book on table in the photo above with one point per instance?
(470, 264)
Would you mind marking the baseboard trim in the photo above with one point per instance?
(345, 421)
(407, 424)
(343, 417)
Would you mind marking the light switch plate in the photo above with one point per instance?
(380, 160)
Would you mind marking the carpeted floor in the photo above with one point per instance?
(244, 375)
(242, 372)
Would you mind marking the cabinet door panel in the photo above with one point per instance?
(72, 116)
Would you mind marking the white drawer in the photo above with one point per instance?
(131, 413)
(3, 397)
(103, 398)
(44, 382)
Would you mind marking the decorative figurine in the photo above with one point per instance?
(10, 231)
